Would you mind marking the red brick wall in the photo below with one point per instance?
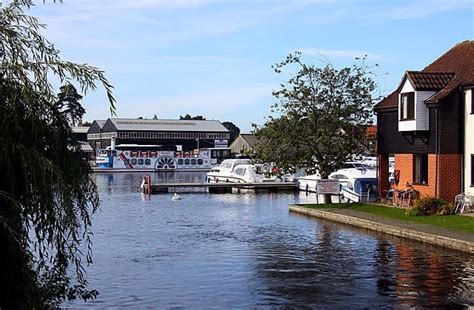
(404, 163)
(450, 166)
(383, 174)
(449, 175)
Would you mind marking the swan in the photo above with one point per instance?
(176, 196)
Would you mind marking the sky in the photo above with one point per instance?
(214, 57)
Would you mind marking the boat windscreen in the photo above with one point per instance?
(363, 185)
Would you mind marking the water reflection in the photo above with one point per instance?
(424, 276)
(245, 251)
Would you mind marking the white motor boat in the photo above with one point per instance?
(223, 171)
(239, 171)
(357, 185)
(308, 183)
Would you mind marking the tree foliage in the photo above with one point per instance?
(68, 103)
(47, 195)
(321, 117)
(189, 117)
(233, 130)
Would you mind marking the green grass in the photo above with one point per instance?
(453, 222)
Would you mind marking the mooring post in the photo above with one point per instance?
(146, 184)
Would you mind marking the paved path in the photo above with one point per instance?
(458, 240)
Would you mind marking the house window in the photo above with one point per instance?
(472, 101)
(420, 169)
(407, 106)
(472, 170)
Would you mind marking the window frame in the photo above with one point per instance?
(409, 108)
(472, 101)
(472, 170)
(423, 175)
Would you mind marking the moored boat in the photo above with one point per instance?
(357, 185)
(308, 183)
(240, 171)
(126, 157)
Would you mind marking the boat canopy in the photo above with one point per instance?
(363, 185)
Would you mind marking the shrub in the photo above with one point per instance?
(431, 206)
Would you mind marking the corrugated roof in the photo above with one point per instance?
(131, 124)
(86, 148)
(100, 122)
(80, 129)
(459, 61)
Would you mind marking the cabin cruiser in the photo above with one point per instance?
(357, 185)
(357, 165)
(239, 171)
(308, 183)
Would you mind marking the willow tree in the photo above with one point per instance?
(47, 195)
(318, 117)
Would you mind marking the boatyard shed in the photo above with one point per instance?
(80, 132)
(244, 144)
(94, 134)
(427, 123)
(170, 134)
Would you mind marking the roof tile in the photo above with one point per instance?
(458, 62)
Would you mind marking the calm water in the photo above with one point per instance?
(247, 251)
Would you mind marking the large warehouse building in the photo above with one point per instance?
(171, 135)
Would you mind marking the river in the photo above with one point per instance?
(246, 251)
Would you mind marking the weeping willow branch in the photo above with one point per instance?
(47, 195)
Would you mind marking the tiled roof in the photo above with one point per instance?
(458, 61)
(429, 80)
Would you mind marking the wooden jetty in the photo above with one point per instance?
(149, 188)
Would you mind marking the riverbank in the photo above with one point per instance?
(442, 231)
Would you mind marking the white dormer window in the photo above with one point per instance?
(407, 106)
(413, 114)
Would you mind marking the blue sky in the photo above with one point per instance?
(214, 57)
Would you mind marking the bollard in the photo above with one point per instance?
(146, 184)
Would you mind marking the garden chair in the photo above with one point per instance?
(463, 203)
(409, 196)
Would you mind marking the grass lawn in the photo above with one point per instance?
(453, 222)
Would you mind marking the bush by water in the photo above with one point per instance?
(431, 206)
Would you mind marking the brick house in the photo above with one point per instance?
(427, 123)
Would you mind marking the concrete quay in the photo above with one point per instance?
(456, 240)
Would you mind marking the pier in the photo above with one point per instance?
(160, 188)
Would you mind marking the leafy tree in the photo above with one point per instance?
(47, 195)
(68, 104)
(86, 124)
(189, 117)
(233, 129)
(320, 113)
